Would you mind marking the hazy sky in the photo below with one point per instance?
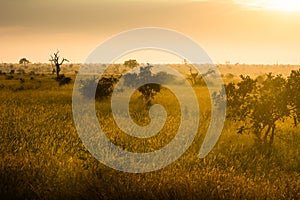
(250, 31)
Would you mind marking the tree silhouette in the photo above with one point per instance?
(293, 88)
(55, 59)
(258, 106)
(24, 61)
(148, 90)
(131, 63)
(104, 90)
(193, 76)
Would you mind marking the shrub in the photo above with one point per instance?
(259, 106)
(9, 77)
(148, 90)
(130, 79)
(105, 87)
(22, 80)
(65, 81)
(62, 79)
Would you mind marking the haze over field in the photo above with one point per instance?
(252, 31)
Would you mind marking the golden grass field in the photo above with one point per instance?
(42, 156)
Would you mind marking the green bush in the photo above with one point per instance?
(104, 87)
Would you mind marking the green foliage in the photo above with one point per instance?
(260, 105)
(293, 88)
(104, 87)
(148, 90)
(239, 98)
(145, 75)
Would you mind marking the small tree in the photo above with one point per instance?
(24, 61)
(258, 106)
(131, 63)
(147, 90)
(193, 76)
(145, 75)
(104, 90)
(105, 87)
(55, 59)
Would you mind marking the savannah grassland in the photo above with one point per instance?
(42, 156)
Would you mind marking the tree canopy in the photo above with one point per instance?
(260, 105)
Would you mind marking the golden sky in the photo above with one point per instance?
(244, 31)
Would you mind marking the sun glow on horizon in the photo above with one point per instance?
(278, 5)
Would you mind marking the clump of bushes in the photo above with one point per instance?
(260, 104)
(9, 77)
(105, 87)
(147, 90)
(63, 80)
(106, 84)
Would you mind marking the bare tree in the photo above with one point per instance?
(55, 59)
(193, 76)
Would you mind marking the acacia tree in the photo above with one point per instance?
(131, 63)
(148, 90)
(55, 59)
(104, 90)
(258, 106)
(193, 76)
(23, 61)
(270, 106)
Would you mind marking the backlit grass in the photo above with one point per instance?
(43, 157)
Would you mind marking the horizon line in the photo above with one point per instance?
(155, 63)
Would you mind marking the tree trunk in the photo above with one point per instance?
(57, 71)
(272, 135)
(267, 132)
(295, 121)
